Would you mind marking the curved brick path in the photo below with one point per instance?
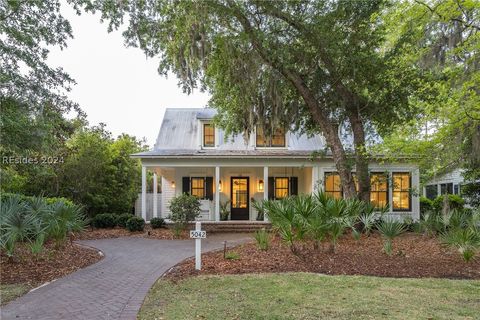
(113, 288)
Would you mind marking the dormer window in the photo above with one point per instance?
(208, 135)
(277, 139)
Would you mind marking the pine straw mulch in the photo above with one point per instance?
(51, 263)
(117, 232)
(415, 256)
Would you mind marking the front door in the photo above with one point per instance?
(239, 198)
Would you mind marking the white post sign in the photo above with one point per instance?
(198, 234)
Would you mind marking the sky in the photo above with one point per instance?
(117, 85)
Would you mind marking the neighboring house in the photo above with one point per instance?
(191, 155)
(449, 182)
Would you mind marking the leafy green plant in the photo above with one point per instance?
(426, 205)
(157, 223)
(466, 241)
(63, 220)
(454, 202)
(36, 246)
(104, 220)
(224, 210)
(184, 208)
(263, 239)
(281, 214)
(121, 219)
(232, 255)
(135, 224)
(16, 223)
(390, 228)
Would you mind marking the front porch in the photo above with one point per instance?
(226, 193)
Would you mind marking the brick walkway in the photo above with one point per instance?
(113, 288)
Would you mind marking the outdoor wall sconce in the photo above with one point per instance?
(173, 184)
(220, 185)
(260, 185)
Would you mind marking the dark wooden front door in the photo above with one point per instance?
(239, 195)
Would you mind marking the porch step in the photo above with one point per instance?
(230, 226)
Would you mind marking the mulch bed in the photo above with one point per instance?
(117, 232)
(415, 256)
(50, 264)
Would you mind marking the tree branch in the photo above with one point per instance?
(433, 10)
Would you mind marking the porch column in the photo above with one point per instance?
(144, 193)
(265, 188)
(217, 193)
(155, 191)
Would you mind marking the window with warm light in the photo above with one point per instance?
(379, 189)
(333, 186)
(277, 139)
(401, 196)
(281, 188)
(208, 135)
(198, 187)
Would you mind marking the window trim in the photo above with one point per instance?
(203, 135)
(386, 191)
(270, 146)
(409, 191)
(204, 187)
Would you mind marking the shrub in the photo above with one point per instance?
(32, 219)
(224, 210)
(390, 229)
(466, 241)
(104, 220)
(64, 219)
(157, 223)
(135, 224)
(263, 239)
(426, 205)
(184, 208)
(121, 219)
(454, 202)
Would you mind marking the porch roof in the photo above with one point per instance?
(215, 153)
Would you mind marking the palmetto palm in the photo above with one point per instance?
(390, 229)
(16, 224)
(465, 240)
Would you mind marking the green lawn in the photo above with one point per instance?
(312, 296)
(9, 292)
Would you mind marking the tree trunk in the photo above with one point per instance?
(361, 157)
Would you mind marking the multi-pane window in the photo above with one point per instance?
(333, 187)
(431, 191)
(208, 135)
(281, 188)
(277, 139)
(401, 191)
(446, 188)
(379, 189)
(198, 187)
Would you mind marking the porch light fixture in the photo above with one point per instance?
(220, 185)
(260, 185)
(173, 184)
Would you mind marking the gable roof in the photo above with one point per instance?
(178, 137)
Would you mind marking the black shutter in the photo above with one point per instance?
(271, 187)
(209, 188)
(294, 186)
(186, 185)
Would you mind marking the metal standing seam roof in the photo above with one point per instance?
(178, 137)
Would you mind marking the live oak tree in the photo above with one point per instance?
(442, 39)
(312, 66)
(27, 30)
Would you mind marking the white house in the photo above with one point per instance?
(192, 155)
(449, 182)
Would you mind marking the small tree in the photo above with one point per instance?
(183, 208)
